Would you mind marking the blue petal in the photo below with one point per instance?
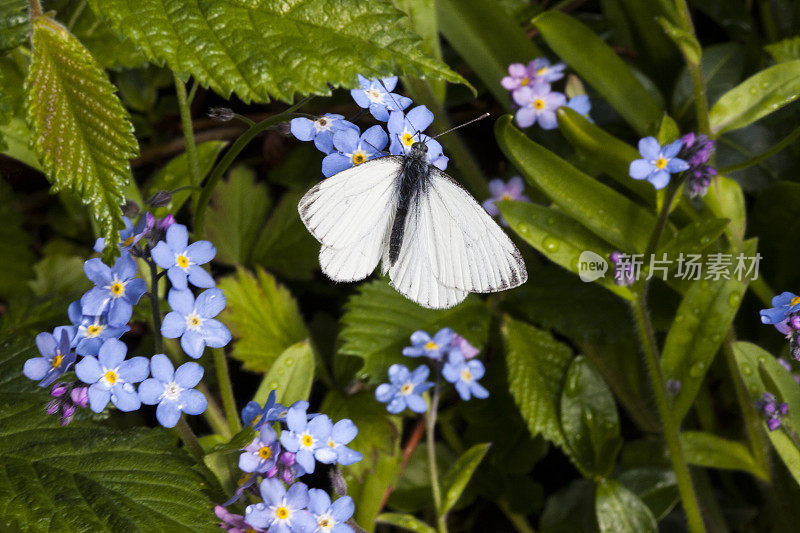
(168, 413)
(124, 267)
(47, 344)
(640, 169)
(335, 163)
(398, 374)
(163, 255)
(659, 179)
(181, 301)
(320, 427)
(95, 301)
(89, 370)
(420, 118)
(318, 501)
(177, 237)
(97, 272)
(344, 431)
(161, 368)
(388, 84)
(98, 397)
(177, 277)
(360, 97)
(416, 403)
(215, 333)
(150, 391)
(119, 311)
(125, 398)
(346, 140)
(296, 419)
(134, 290)
(676, 165)
(463, 390)
(324, 142)
(385, 392)
(784, 298)
(649, 148)
(302, 128)
(478, 391)
(451, 372)
(193, 343)
(672, 149)
(201, 252)
(188, 375)
(193, 402)
(249, 462)
(375, 137)
(290, 441)
(348, 456)
(773, 315)
(326, 455)
(200, 278)
(258, 517)
(112, 353)
(174, 325)
(547, 120)
(306, 459)
(397, 404)
(75, 313)
(420, 374)
(210, 303)
(36, 368)
(379, 111)
(342, 509)
(134, 369)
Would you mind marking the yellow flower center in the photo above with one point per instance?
(322, 122)
(408, 388)
(541, 71)
(193, 321)
(265, 452)
(94, 330)
(466, 375)
(307, 440)
(795, 300)
(375, 96)
(111, 377)
(282, 512)
(256, 420)
(127, 242)
(56, 362)
(324, 522)
(430, 345)
(182, 261)
(117, 288)
(661, 162)
(359, 157)
(538, 104)
(408, 139)
(331, 443)
(524, 81)
(506, 196)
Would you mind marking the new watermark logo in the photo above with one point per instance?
(591, 266)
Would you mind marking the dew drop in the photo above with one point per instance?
(753, 90)
(289, 362)
(273, 384)
(716, 337)
(747, 369)
(762, 360)
(697, 369)
(551, 244)
(734, 299)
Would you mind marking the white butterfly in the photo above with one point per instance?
(434, 240)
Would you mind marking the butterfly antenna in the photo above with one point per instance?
(462, 125)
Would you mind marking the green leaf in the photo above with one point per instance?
(59, 273)
(725, 199)
(559, 237)
(17, 137)
(657, 488)
(698, 330)
(237, 442)
(489, 39)
(262, 316)
(285, 246)
(711, 451)
(668, 130)
(785, 50)
(693, 237)
(87, 477)
(457, 478)
(405, 521)
(722, 69)
(537, 366)
(273, 48)
(602, 69)
(81, 132)
(603, 210)
(589, 419)
(176, 174)
(755, 97)
(685, 41)
(291, 376)
(238, 208)
(610, 154)
(14, 25)
(378, 322)
(621, 511)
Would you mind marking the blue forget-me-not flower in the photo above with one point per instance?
(657, 163)
(182, 260)
(193, 320)
(404, 389)
(55, 360)
(173, 390)
(353, 149)
(376, 96)
(116, 289)
(111, 377)
(283, 511)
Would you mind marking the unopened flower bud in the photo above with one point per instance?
(52, 407)
(287, 475)
(287, 458)
(80, 396)
(130, 209)
(160, 199)
(272, 472)
(58, 390)
(223, 114)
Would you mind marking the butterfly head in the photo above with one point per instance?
(419, 149)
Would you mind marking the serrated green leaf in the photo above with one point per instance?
(176, 174)
(602, 69)
(290, 376)
(284, 245)
(698, 330)
(262, 316)
(378, 322)
(405, 521)
(272, 48)
(14, 351)
(488, 39)
(14, 25)
(537, 366)
(656, 487)
(756, 97)
(457, 478)
(560, 238)
(603, 210)
(621, 511)
(81, 131)
(238, 208)
(785, 50)
(589, 419)
(711, 451)
(86, 477)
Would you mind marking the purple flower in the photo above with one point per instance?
(330, 517)
(193, 321)
(657, 163)
(68, 398)
(538, 104)
(771, 410)
(234, 523)
(376, 96)
(131, 235)
(283, 511)
(404, 389)
(623, 269)
(696, 151)
(468, 350)
(464, 375)
(432, 348)
(262, 453)
(55, 360)
(307, 438)
(111, 377)
(173, 390)
(182, 260)
(320, 130)
(783, 307)
(539, 69)
(580, 104)
(673, 386)
(352, 149)
(116, 289)
(406, 128)
(89, 332)
(500, 190)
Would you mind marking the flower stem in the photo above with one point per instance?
(35, 8)
(766, 154)
(188, 131)
(158, 339)
(433, 469)
(695, 71)
(226, 390)
(189, 439)
(228, 158)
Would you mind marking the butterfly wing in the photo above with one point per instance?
(456, 244)
(351, 214)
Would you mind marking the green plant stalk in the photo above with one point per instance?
(695, 71)
(519, 521)
(230, 155)
(766, 154)
(432, 467)
(189, 439)
(188, 131)
(226, 390)
(35, 8)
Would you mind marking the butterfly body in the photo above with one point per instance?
(435, 242)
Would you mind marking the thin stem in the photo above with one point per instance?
(226, 390)
(519, 521)
(408, 450)
(158, 339)
(227, 159)
(213, 413)
(192, 92)
(695, 71)
(75, 15)
(189, 439)
(35, 8)
(432, 467)
(663, 216)
(188, 131)
(783, 143)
